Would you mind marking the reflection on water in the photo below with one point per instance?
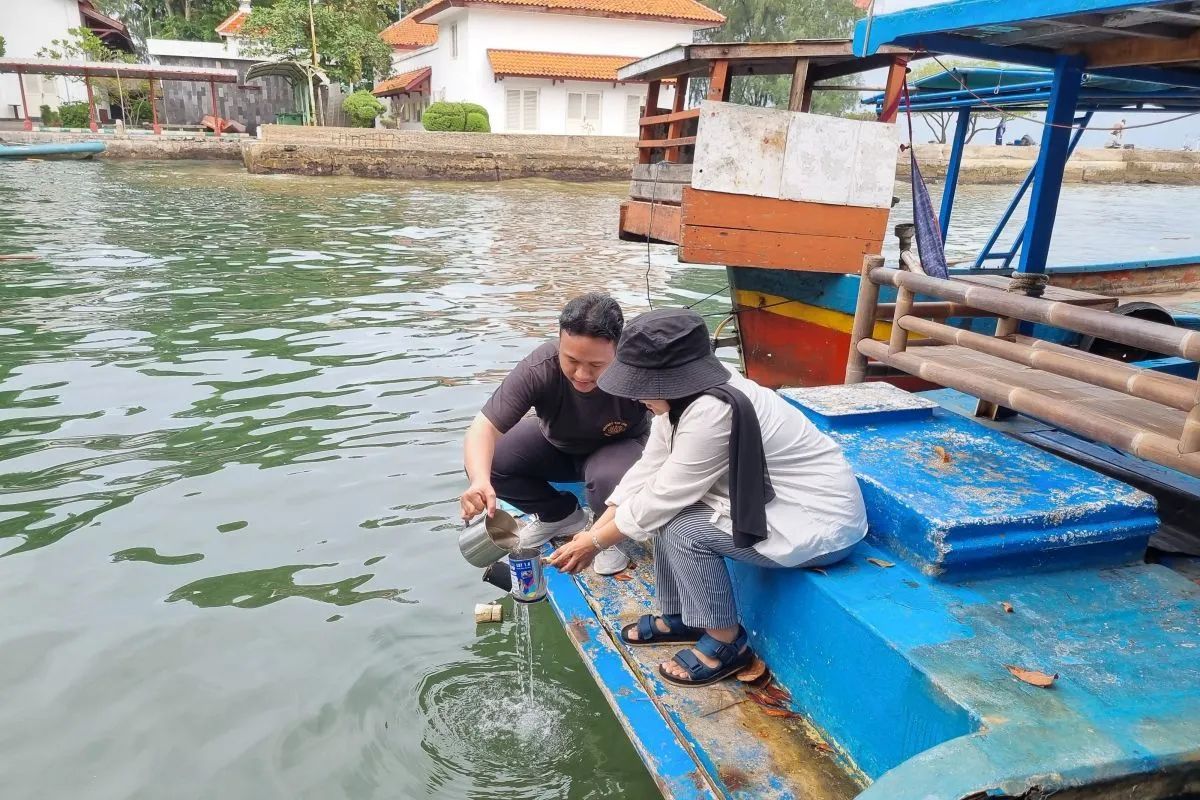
(248, 393)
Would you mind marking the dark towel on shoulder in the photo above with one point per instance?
(749, 481)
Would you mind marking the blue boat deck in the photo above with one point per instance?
(897, 658)
(698, 743)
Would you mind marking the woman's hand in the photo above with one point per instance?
(576, 555)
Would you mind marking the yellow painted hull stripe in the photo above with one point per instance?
(795, 309)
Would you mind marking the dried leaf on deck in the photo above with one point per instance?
(941, 453)
(777, 694)
(879, 562)
(771, 711)
(1031, 676)
(622, 576)
(753, 672)
(1008, 609)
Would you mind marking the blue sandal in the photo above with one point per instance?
(732, 657)
(648, 632)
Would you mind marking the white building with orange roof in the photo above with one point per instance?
(537, 66)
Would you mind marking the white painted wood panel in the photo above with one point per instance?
(794, 156)
(739, 149)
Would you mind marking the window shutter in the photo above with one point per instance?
(512, 110)
(593, 109)
(633, 113)
(574, 105)
(530, 110)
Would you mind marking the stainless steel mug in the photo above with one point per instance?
(489, 539)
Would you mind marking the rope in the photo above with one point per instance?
(1010, 115)
(1031, 284)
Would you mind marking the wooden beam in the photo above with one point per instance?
(674, 116)
(719, 80)
(641, 220)
(763, 214)
(799, 85)
(663, 173)
(897, 75)
(647, 144)
(675, 128)
(1125, 53)
(650, 108)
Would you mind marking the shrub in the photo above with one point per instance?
(478, 123)
(74, 115)
(49, 117)
(362, 107)
(476, 108)
(443, 116)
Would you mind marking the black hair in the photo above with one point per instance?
(593, 314)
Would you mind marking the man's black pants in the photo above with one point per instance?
(525, 463)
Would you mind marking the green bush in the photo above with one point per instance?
(74, 115)
(456, 117)
(478, 123)
(476, 108)
(49, 117)
(444, 117)
(362, 107)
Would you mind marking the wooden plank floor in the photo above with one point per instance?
(1102, 402)
(749, 753)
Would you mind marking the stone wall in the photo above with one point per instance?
(252, 104)
(167, 146)
(989, 164)
(381, 153)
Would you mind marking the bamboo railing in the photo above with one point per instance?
(1160, 422)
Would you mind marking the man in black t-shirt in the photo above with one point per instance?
(579, 432)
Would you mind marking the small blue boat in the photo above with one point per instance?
(78, 150)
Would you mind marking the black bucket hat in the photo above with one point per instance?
(664, 355)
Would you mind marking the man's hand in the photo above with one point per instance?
(576, 555)
(478, 497)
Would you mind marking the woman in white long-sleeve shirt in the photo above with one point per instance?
(731, 470)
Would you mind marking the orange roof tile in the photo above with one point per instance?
(233, 23)
(531, 64)
(409, 34)
(404, 82)
(670, 10)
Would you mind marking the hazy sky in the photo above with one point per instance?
(1169, 135)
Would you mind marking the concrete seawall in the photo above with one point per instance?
(492, 157)
(988, 164)
(167, 146)
(446, 156)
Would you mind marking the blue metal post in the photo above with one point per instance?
(986, 253)
(952, 168)
(1052, 160)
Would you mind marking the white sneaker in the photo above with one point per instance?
(610, 561)
(537, 533)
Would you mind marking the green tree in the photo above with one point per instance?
(362, 108)
(1, 47)
(84, 45)
(781, 21)
(192, 20)
(348, 45)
